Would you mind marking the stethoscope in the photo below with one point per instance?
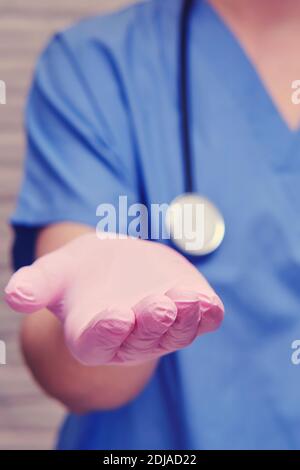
(195, 224)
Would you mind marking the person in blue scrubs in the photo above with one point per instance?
(102, 121)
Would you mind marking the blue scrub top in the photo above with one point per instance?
(102, 121)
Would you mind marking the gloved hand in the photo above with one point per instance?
(120, 300)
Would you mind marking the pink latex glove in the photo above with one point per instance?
(121, 300)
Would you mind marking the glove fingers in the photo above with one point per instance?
(99, 341)
(28, 290)
(154, 316)
(185, 328)
(196, 314)
(40, 285)
(212, 314)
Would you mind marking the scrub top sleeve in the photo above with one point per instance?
(73, 160)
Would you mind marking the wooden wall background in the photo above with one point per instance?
(28, 420)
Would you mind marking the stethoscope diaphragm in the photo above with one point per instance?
(195, 224)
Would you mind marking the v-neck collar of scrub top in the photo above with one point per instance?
(265, 120)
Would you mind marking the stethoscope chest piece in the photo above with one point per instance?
(194, 224)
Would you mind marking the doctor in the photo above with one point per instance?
(106, 117)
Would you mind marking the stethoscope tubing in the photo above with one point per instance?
(183, 94)
(211, 216)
